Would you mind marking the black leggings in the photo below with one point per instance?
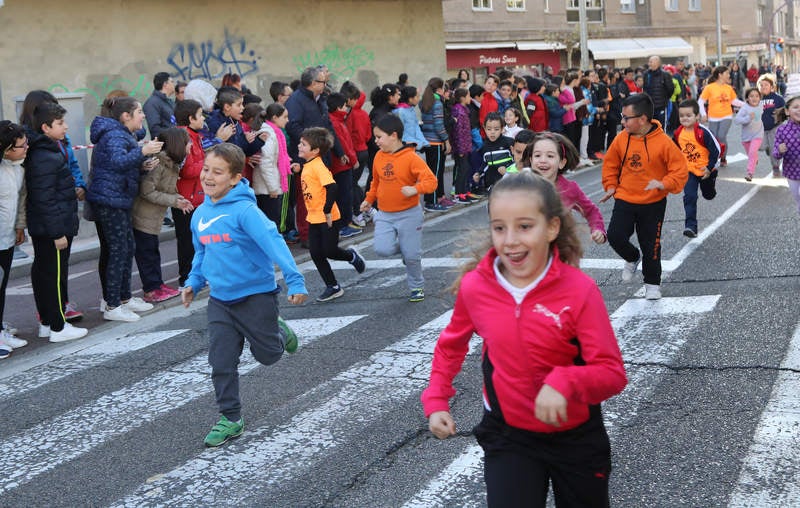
(323, 244)
(646, 221)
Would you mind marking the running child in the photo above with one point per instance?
(236, 249)
(787, 146)
(13, 147)
(319, 193)
(542, 421)
(773, 104)
(749, 117)
(701, 150)
(551, 155)
(157, 191)
(399, 177)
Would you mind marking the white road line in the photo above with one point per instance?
(632, 322)
(770, 474)
(268, 457)
(55, 441)
(80, 361)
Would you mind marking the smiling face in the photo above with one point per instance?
(753, 98)
(133, 121)
(687, 117)
(546, 159)
(765, 87)
(521, 235)
(216, 177)
(510, 117)
(793, 110)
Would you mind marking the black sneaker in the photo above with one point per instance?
(358, 261)
(690, 233)
(330, 293)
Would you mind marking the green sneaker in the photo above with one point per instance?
(417, 295)
(223, 431)
(291, 337)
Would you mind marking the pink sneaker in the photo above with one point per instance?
(155, 296)
(71, 313)
(170, 292)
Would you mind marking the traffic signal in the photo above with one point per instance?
(779, 45)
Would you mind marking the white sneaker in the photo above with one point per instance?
(652, 292)
(44, 331)
(136, 304)
(9, 340)
(10, 328)
(103, 305)
(68, 333)
(121, 313)
(629, 270)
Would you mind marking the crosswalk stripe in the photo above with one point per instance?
(236, 472)
(56, 441)
(630, 322)
(770, 474)
(81, 360)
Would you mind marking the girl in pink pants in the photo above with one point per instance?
(749, 117)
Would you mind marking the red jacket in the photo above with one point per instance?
(560, 335)
(359, 125)
(488, 105)
(343, 134)
(540, 117)
(189, 178)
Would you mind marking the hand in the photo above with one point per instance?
(446, 147)
(345, 160)
(295, 167)
(80, 193)
(20, 237)
(187, 295)
(254, 160)
(782, 148)
(329, 220)
(152, 147)
(225, 131)
(703, 119)
(61, 243)
(706, 174)
(551, 406)
(502, 170)
(408, 190)
(608, 195)
(185, 205)
(654, 184)
(149, 164)
(441, 424)
(366, 206)
(250, 136)
(273, 195)
(298, 299)
(476, 177)
(598, 236)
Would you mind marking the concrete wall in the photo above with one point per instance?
(95, 46)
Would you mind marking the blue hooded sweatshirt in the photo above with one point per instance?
(236, 248)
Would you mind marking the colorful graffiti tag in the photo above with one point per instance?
(208, 60)
(342, 62)
(137, 87)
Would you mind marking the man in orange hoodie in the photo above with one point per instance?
(642, 166)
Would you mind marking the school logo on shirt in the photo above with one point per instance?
(635, 161)
(307, 196)
(388, 171)
(690, 151)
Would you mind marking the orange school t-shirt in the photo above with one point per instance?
(695, 153)
(719, 97)
(313, 179)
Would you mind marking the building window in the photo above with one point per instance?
(760, 16)
(481, 5)
(628, 6)
(546, 5)
(694, 6)
(671, 5)
(515, 5)
(594, 11)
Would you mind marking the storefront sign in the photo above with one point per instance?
(504, 59)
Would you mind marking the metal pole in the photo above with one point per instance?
(719, 35)
(584, 34)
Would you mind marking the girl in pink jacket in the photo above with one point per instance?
(549, 354)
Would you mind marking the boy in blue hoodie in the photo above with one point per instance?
(236, 248)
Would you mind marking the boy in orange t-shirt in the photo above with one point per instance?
(319, 193)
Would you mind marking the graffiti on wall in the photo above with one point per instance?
(136, 87)
(210, 60)
(342, 62)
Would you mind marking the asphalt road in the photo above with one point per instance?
(710, 416)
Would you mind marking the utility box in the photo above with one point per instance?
(73, 103)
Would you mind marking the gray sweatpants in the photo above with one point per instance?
(768, 144)
(255, 319)
(402, 232)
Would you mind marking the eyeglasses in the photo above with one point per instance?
(24, 145)
(626, 118)
(320, 81)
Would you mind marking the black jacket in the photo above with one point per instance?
(160, 113)
(51, 207)
(658, 85)
(304, 112)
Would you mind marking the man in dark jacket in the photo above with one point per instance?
(159, 109)
(307, 107)
(658, 85)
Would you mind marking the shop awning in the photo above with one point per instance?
(642, 47)
(539, 46)
(479, 45)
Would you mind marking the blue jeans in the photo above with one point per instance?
(707, 188)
